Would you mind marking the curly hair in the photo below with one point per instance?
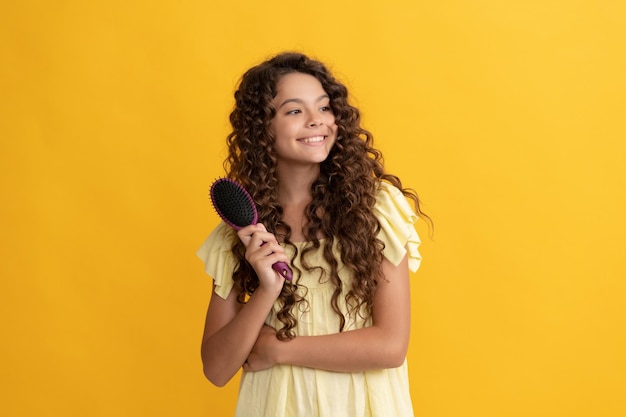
(343, 195)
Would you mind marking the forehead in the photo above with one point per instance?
(298, 85)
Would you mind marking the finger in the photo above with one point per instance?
(264, 260)
(245, 234)
(273, 250)
(262, 238)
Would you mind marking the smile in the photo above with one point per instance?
(313, 139)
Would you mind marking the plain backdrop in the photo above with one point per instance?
(507, 117)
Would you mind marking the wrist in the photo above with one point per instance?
(278, 352)
(284, 351)
(268, 291)
(263, 298)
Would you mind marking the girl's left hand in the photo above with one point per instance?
(264, 352)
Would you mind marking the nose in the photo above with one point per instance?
(315, 121)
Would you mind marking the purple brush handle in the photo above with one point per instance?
(283, 269)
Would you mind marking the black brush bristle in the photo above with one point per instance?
(233, 203)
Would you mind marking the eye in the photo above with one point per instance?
(295, 111)
(326, 108)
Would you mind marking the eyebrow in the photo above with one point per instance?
(300, 101)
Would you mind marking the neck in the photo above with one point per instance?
(295, 183)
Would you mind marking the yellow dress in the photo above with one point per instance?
(289, 391)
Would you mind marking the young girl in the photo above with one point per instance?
(333, 341)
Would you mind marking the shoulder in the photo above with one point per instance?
(391, 204)
(397, 225)
(219, 261)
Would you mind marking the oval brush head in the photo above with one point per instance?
(233, 203)
(237, 209)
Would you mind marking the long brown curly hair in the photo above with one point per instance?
(343, 195)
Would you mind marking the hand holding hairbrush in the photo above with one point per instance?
(237, 209)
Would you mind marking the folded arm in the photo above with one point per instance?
(382, 345)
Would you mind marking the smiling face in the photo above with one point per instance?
(304, 125)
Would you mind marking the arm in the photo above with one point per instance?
(231, 328)
(383, 345)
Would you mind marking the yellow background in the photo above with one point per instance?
(506, 116)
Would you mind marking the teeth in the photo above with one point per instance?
(313, 139)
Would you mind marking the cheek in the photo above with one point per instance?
(279, 128)
(332, 123)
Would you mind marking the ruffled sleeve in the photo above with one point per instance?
(219, 261)
(397, 231)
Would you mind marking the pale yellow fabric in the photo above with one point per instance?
(286, 391)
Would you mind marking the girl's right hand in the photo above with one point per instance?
(263, 251)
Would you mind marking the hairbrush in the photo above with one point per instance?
(237, 209)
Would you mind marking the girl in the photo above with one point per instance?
(333, 341)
